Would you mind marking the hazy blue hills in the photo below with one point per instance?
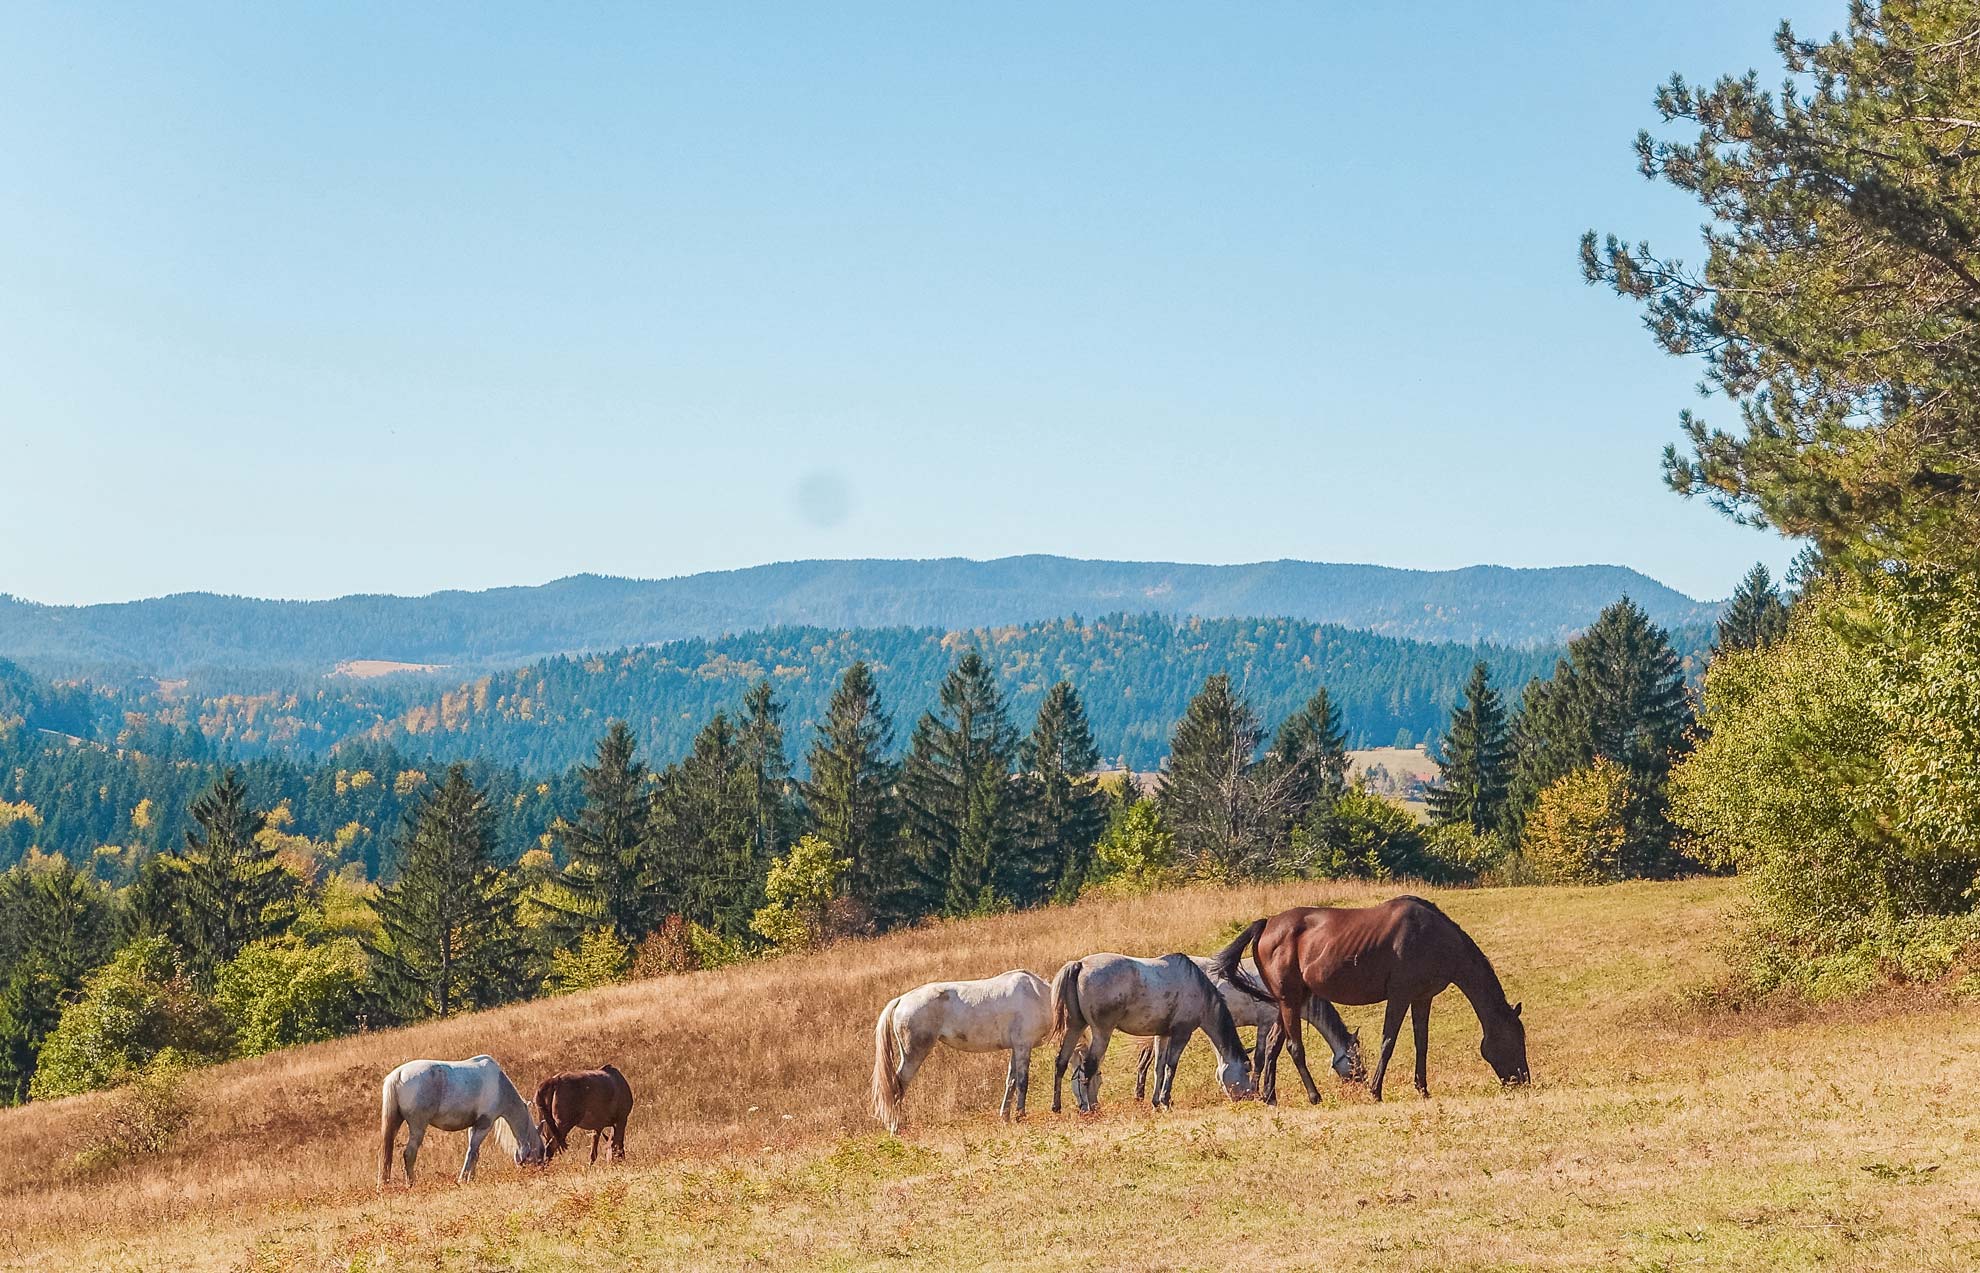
(508, 626)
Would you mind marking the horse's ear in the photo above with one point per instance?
(1516, 1008)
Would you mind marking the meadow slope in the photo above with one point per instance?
(1654, 1136)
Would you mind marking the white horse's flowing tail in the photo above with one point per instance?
(1066, 1016)
(389, 1120)
(887, 1089)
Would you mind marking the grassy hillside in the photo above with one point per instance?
(1654, 1136)
(170, 635)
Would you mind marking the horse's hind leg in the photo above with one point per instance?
(415, 1133)
(619, 1141)
(1419, 1020)
(1391, 1027)
(1086, 1084)
(1068, 1046)
(594, 1145)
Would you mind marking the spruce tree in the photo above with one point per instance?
(449, 940)
(1211, 797)
(1065, 809)
(849, 797)
(1477, 759)
(774, 813)
(231, 889)
(608, 847)
(1309, 757)
(55, 927)
(1755, 616)
(705, 829)
(1619, 694)
(956, 789)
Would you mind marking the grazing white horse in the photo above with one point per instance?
(1010, 1011)
(471, 1096)
(1168, 999)
(1247, 1009)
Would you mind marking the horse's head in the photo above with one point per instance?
(1235, 1075)
(1347, 1061)
(552, 1143)
(1504, 1048)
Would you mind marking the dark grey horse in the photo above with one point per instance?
(1166, 999)
(1248, 1010)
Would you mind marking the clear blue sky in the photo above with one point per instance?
(404, 297)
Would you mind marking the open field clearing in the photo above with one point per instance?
(1654, 1136)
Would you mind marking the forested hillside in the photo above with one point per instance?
(506, 626)
(1135, 673)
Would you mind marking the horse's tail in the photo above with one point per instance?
(1225, 962)
(389, 1122)
(887, 1088)
(1066, 1015)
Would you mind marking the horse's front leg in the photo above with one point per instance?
(1268, 1088)
(1419, 1020)
(1142, 1065)
(1392, 1017)
(1016, 1079)
(1292, 1025)
(1258, 1047)
(475, 1138)
(1167, 1057)
(594, 1145)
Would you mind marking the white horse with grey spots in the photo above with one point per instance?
(1010, 1012)
(1166, 999)
(472, 1096)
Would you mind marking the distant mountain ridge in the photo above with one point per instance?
(505, 626)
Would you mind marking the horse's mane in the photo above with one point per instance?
(513, 1098)
(1466, 941)
(1220, 1015)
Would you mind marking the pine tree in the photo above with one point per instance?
(849, 796)
(55, 927)
(704, 825)
(774, 814)
(1755, 616)
(1619, 694)
(1309, 757)
(956, 788)
(231, 889)
(1477, 759)
(448, 940)
(1211, 797)
(1065, 809)
(608, 846)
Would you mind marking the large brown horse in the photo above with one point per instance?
(1402, 953)
(588, 1100)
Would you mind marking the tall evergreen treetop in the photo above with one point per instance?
(1211, 796)
(449, 940)
(1066, 809)
(608, 845)
(231, 889)
(1755, 616)
(1310, 750)
(849, 796)
(774, 813)
(1477, 759)
(956, 788)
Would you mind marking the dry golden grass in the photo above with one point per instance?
(1653, 1138)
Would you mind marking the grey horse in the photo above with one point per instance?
(472, 1096)
(1248, 1010)
(1166, 999)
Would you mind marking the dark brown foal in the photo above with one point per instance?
(1402, 954)
(584, 1100)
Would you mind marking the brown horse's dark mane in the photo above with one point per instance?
(1489, 980)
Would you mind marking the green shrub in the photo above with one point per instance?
(1137, 854)
(598, 959)
(801, 888)
(136, 1006)
(280, 992)
(1577, 829)
(1361, 835)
